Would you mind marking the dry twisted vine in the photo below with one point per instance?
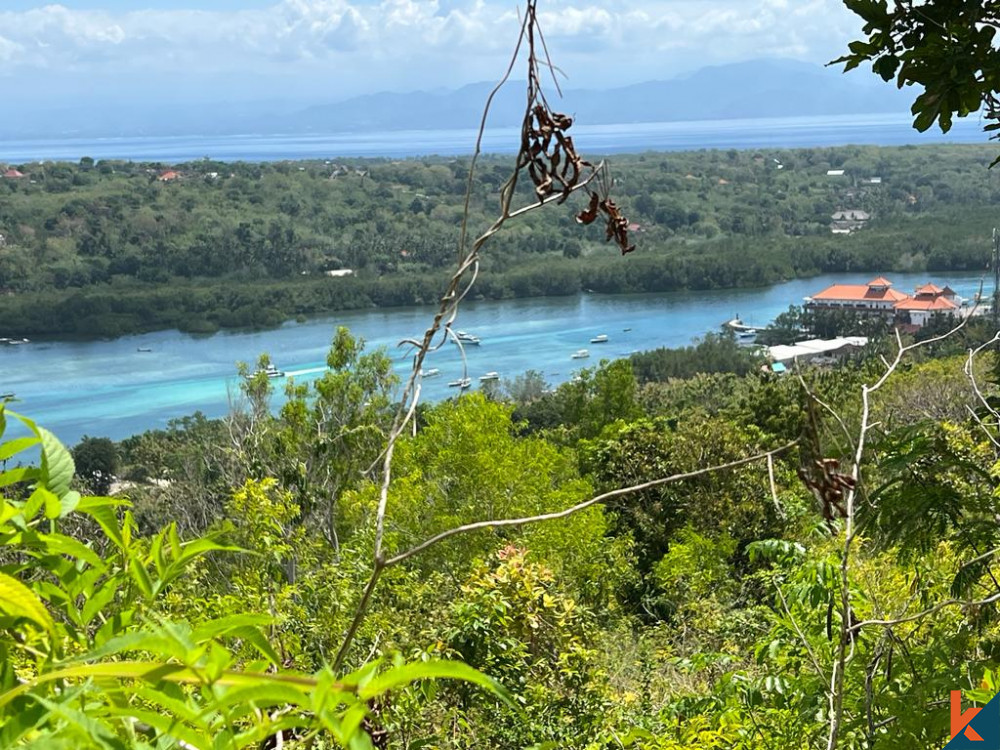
(548, 155)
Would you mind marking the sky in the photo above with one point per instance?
(327, 50)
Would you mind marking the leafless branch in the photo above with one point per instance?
(924, 613)
(478, 525)
(846, 644)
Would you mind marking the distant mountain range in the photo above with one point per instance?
(755, 89)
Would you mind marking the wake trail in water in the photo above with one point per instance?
(307, 371)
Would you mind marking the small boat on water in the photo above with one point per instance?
(489, 376)
(468, 338)
(431, 373)
(271, 371)
(14, 342)
(143, 349)
(579, 354)
(602, 339)
(626, 329)
(6, 396)
(462, 383)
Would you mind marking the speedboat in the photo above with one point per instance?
(14, 342)
(271, 371)
(6, 396)
(462, 383)
(602, 339)
(580, 354)
(467, 338)
(489, 376)
(431, 373)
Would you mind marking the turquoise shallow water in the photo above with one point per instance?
(110, 388)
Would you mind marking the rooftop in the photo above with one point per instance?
(927, 303)
(860, 292)
(814, 347)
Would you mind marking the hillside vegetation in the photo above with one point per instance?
(109, 248)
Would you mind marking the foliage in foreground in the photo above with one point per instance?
(91, 656)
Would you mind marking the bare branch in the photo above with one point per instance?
(929, 611)
(581, 506)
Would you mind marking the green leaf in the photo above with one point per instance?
(57, 463)
(68, 503)
(20, 474)
(18, 600)
(59, 544)
(50, 500)
(430, 670)
(13, 447)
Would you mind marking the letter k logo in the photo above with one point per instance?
(960, 721)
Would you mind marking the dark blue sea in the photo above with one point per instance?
(784, 132)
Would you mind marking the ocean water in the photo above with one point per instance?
(784, 132)
(111, 388)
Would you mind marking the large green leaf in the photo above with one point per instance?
(57, 463)
(430, 670)
(13, 447)
(18, 600)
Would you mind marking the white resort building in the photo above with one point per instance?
(877, 297)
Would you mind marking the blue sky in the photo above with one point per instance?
(333, 49)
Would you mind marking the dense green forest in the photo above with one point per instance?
(110, 248)
(708, 610)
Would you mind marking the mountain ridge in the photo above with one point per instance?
(746, 90)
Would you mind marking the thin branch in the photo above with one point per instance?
(846, 630)
(929, 611)
(478, 525)
(805, 641)
(774, 488)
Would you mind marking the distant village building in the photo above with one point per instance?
(13, 174)
(877, 297)
(845, 222)
(835, 173)
(340, 272)
(169, 176)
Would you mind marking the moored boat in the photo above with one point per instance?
(493, 375)
(431, 373)
(580, 354)
(602, 339)
(462, 383)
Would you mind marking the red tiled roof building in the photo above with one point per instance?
(877, 297)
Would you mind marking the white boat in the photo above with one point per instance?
(462, 383)
(580, 354)
(602, 339)
(14, 342)
(271, 371)
(468, 338)
(431, 373)
(489, 376)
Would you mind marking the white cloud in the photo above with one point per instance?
(412, 43)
